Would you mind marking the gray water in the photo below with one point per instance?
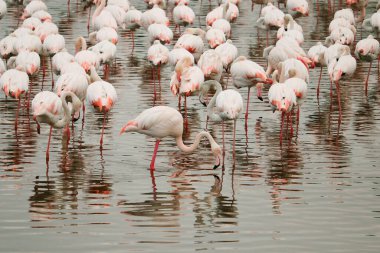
(318, 192)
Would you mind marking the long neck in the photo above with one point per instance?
(210, 112)
(80, 44)
(94, 75)
(98, 10)
(66, 112)
(196, 142)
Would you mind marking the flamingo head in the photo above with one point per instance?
(129, 127)
(114, 41)
(285, 105)
(15, 93)
(301, 9)
(337, 75)
(217, 152)
(31, 69)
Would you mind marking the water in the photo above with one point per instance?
(317, 193)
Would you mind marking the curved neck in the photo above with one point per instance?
(94, 75)
(98, 10)
(66, 112)
(80, 44)
(196, 142)
(218, 88)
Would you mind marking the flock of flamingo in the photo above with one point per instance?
(201, 60)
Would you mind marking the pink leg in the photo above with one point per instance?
(319, 82)
(298, 118)
(366, 81)
(104, 122)
(48, 146)
(340, 107)
(291, 124)
(246, 111)
(154, 83)
(84, 111)
(282, 126)
(154, 155)
(186, 120)
(267, 38)
(179, 102)
(17, 112)
(43, 71)
(234, 138)
(223, 137)
(52, 74)
(88, 19)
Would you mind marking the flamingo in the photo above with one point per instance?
(368, 50)
(160, 32)
(217, 13)
(45, 29)
(106, 52)
(43, 16)
(31, 23)
(53, 110)
(117, 12)
(3, 68)
(85, 57)
(211, 65)
(261, 2)
(270, 17)
(295, 66)
(154, 16)
(223, 25)
(103, 17)
(132, 21)
(158, 3)
(33, 7)
(14, 83)
(60, 59)
(53, 44)
(157, 55)
(373, 23)
(358, 5)
(343, 68)
(297, 7)
(246, 73)
(105, 33)
(299, 87)
(316, 54)
(282, 98)
(215, 37)
(163, 121)
(102, 96)
(192, 42)
(228, 52)
(183, 15)
(7, 47)
(341, 22)
(291, 28)
(342, 35)
(224, 105)
(28, 62)
(28, 42)
(177, 2)
(179, 53)
(347, 14)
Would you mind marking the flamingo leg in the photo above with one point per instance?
(282, 126)
(330, 89)
(17, 112)
(291, 124)
(52, 74)
(366, 81)
(246, 111)
(84, 111)
(133, 41)
(234, 138)
(223, 139)
(186, 120)
(252, 5)
(48, 146)
(340, 107)
(29, 94)
(88, 19)
(154, 155)
(43, 72)
(298, 117)
(267, 38)
(154, 83)
(319, 82)
(104, 122)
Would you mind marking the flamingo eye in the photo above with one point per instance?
(337, 59)
(343, 74)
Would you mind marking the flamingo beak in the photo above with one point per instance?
(128, 125)
(261, 76)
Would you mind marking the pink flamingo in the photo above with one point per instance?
(132, 22)
(53, 110)
(296, 7)
(192, 41)
(215, 37)
(299, 86)
(316, 54)
(33, 7)
(282, 98)
(102, 96)
(224, 105)
(368, 50)
(183, 15)
(158, 55)
(177, 54)
(160, 32)
(156, 15)
(105, 33)
(211, 65)
(163, 121)
(246, 73)
(53, 44)
(14, 83)
(103, 17)
(85, 57)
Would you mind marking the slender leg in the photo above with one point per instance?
(186, 120)
(88, 19)
(133, 41)
(48, 146)
(17, 112)
(282, 126)
(234, 138)
(154, 155)
(52, 74)
(366, 81)
(43, 72)
(154, 83)
(330, 89)
(253, 5)
(29, 94)
(319, 82)
(298, 118)
(104, 122)
(223, 138)
(291, 124)
(340, 107)
(84, 111)
(267, 38)
(246, 111)
(179, 102)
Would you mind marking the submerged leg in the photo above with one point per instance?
(48, 146)
(154, 155)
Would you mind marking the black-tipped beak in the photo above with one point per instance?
(261, 98)
(216, 166)
(202, 102)
(274, 110)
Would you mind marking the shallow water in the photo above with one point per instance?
(319, 192)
